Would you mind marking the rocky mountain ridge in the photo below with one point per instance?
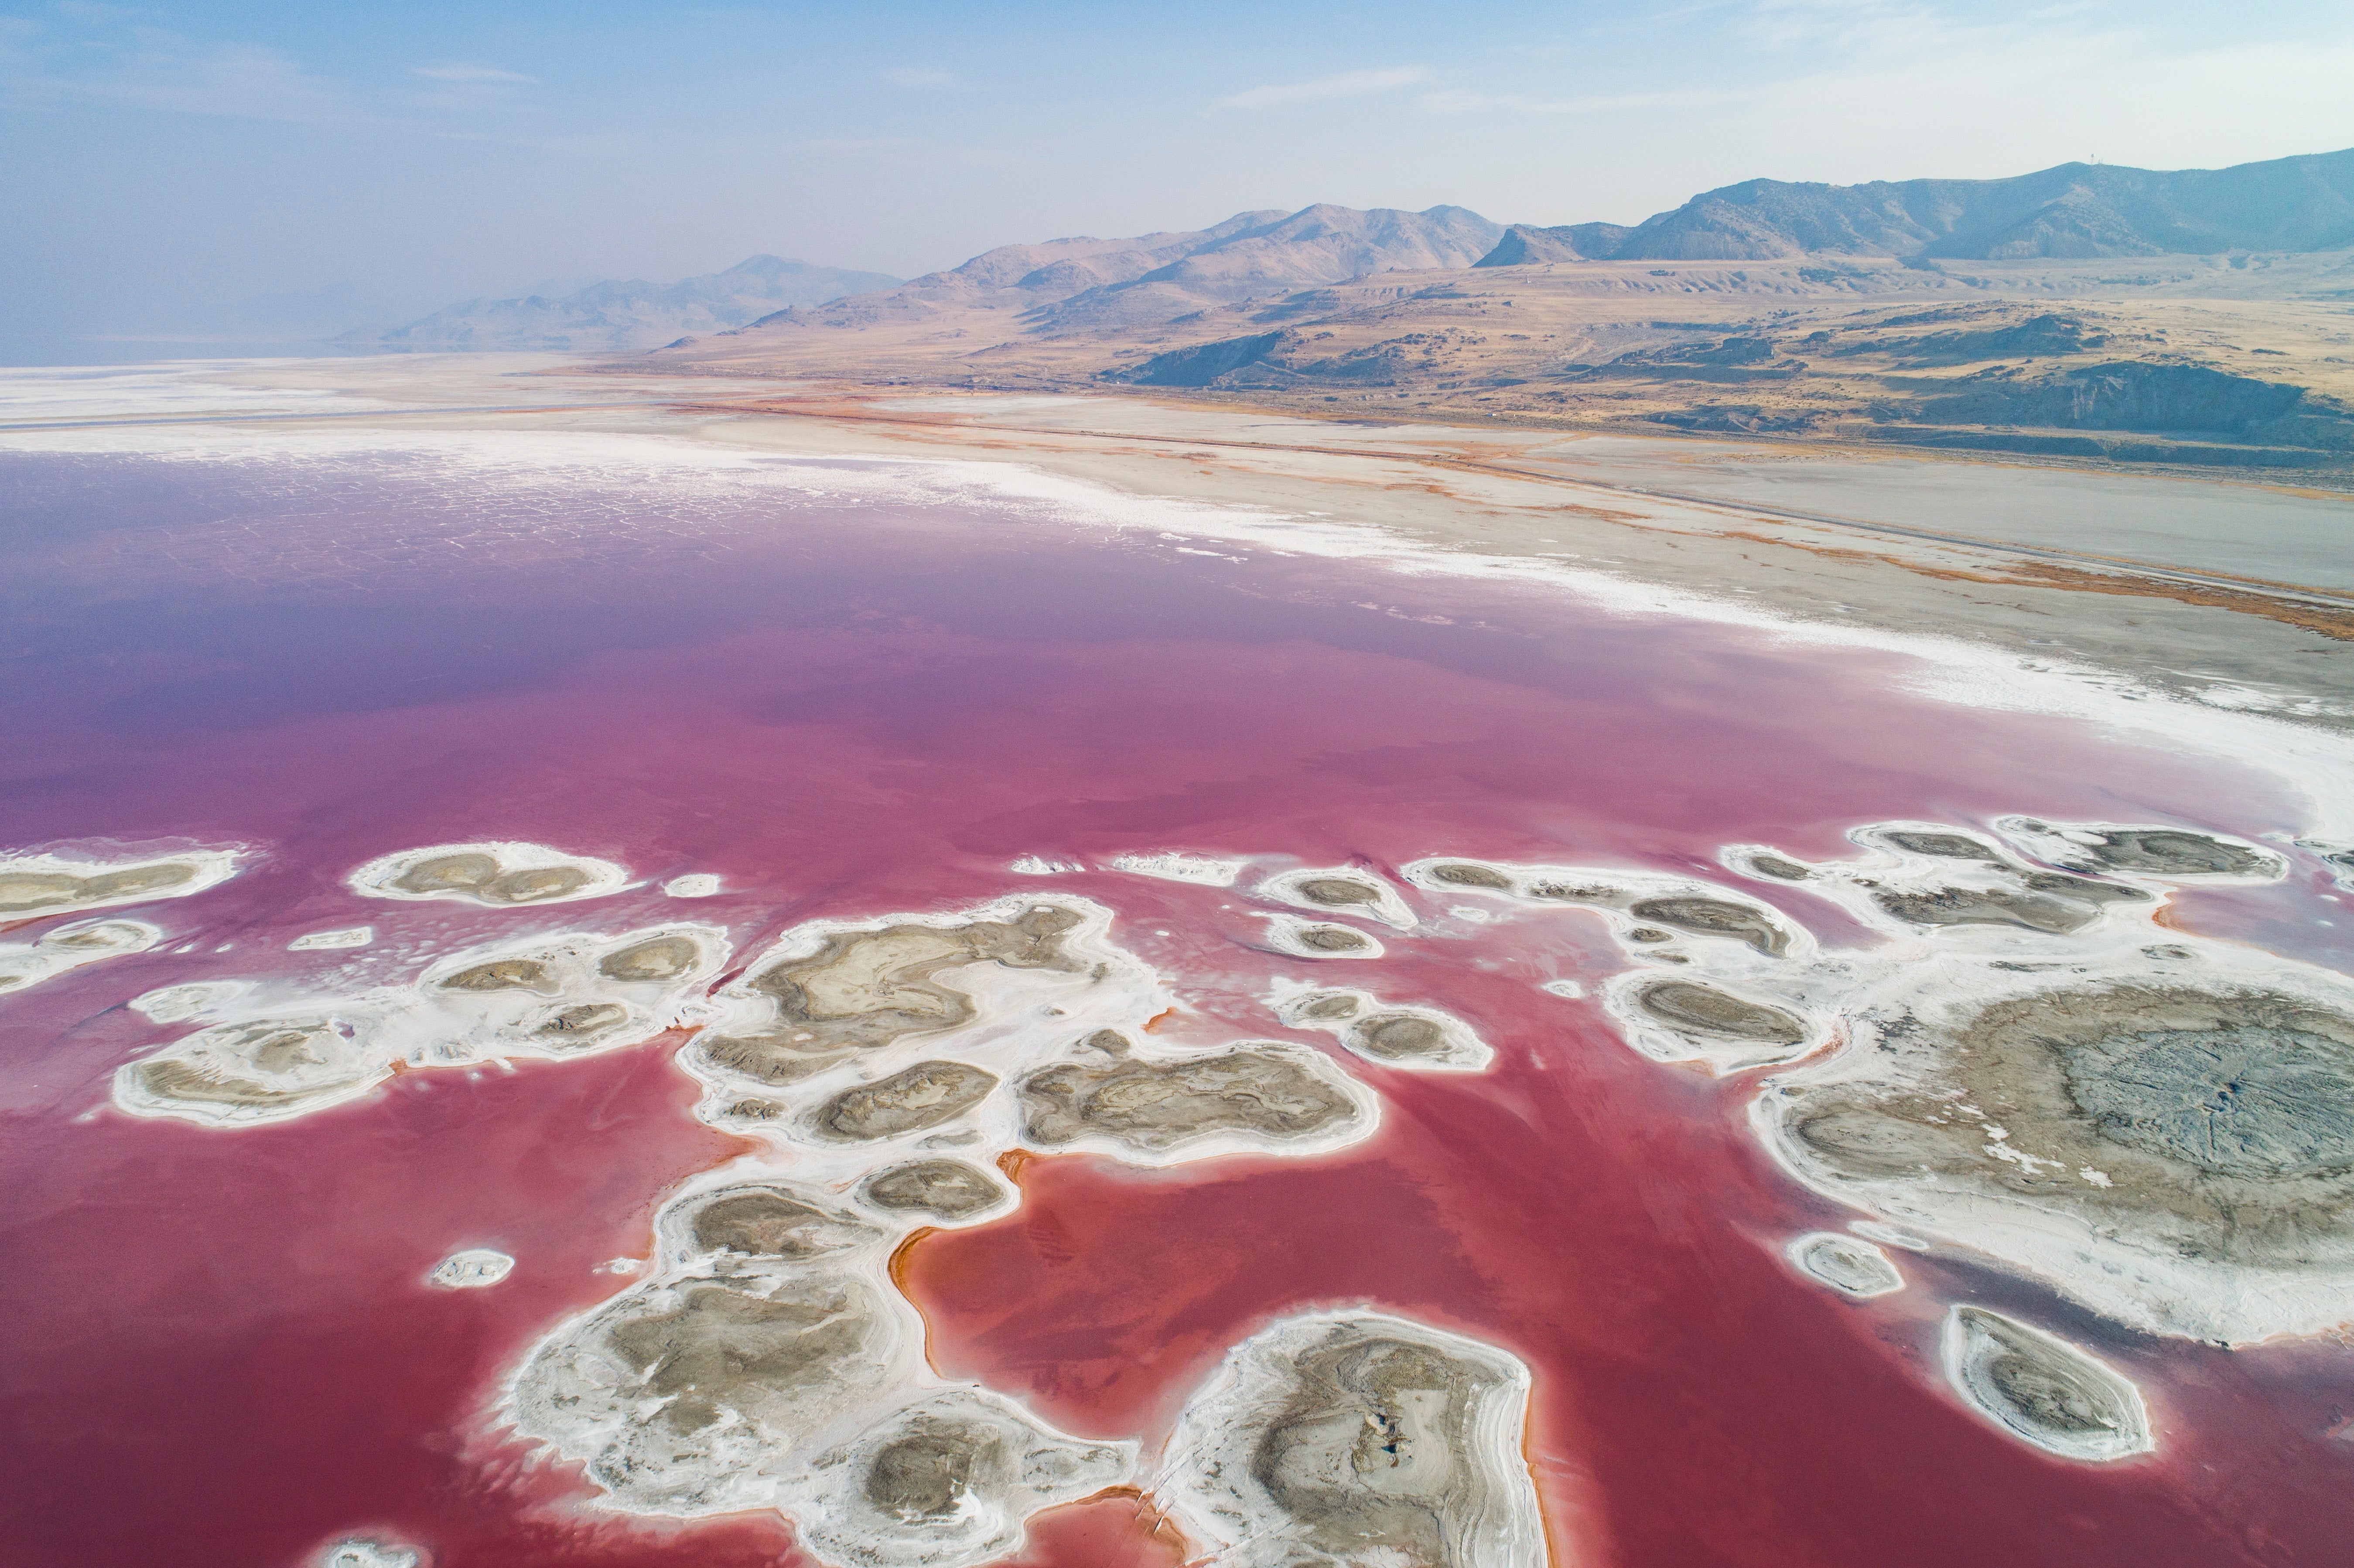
(1087, 283)
(2074, 210)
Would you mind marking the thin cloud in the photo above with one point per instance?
(469, 71)
(919, 76)
(1348, 84)
(96, 13)
(1458, 101)
(239, 82)
(908, 151)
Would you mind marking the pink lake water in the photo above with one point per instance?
(858, 702)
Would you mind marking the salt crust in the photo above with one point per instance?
(2077, 845)
(269, 1056)
(1302, 939)
(1277, 1461)
(1847, 1264)
(1345, 1014)
(1888, 1235)
(838, 1386)
(476, 1268)
(1005, 1197)
(2139, 1269)
(1171, 865)
(1966, 921)
(1038, 865)
(28, 887)
(1310, 888)
(976, 1431)
(590, 877)
(2042, 1390)
(1614, 891)
(361, 1551)
(2337, 854)
(1676, 932)
(1023, 1020)
(342, 936)
(62, 948)
(1891, 888)
(695, 885)
(178, 1004)
(769, 1363)
(2059, 933)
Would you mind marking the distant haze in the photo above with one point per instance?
(257, 170)
(612, 317)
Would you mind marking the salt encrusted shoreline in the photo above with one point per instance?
(770, 1363)
(1418, 1039)
(1715, 977)
(847, 1045)
(494, 874)
(2042, 1390)
(1848, 1264)
(884, 1065)
(42, 886)
(1871, 1107)
(1300, 938)
(1987, 1149)
(475, 1268)
(2039, 1071)
(1339, 890)
(731, 461)
(64, 949)
(1175, 865)
(370, 1552)
(1919, 878)
(271, 1053)
(2161, 853)
(1357, 1436)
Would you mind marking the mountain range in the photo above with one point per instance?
(2073, 211)
(1065, 284)
(2076, 210)
(2085, 312)
(616, 317)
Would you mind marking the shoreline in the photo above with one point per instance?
(2254, 684)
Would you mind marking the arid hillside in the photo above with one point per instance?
(2234, 359)
(2070, 211)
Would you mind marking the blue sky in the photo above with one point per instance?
(165, 166)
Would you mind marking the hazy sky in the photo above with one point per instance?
(165, 164)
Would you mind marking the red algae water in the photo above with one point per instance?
(847, 701)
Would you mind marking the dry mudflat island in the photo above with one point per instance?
(1588, 908)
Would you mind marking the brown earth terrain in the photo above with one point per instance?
(2239, 362)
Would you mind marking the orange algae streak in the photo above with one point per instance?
(1013, 1161)
(1118, 1528)
(1152, 1024)
(900, 1259)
